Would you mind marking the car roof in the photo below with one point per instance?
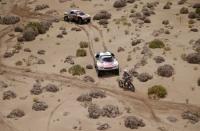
(105, 53)
(76, 10)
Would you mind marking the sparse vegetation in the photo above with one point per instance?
(145, 39)
(83, 44)
(156, 44)
(165, 70)
(197, 11)
(144, 77)
(158, 91)
(184, 10)
(119, 3)
(32, 29)
(103, 14)
(81, 53)
(36, 26)
(103, 22)
(76, 70)
(193, 58)
(192, 116)
(159, 59)
(39, 105)
(16, 113)
(84, 98)
(7, 95)
(133, 122)
(9, 20)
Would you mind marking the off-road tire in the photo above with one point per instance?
(80, 21)
(99, 73)
(131, 87)
(117, 72)
(121, 84)
(66, 18)
(88, 21)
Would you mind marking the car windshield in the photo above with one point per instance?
(81, 13)
(107, 59)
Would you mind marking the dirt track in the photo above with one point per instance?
(133, 98)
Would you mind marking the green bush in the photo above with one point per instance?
(157, 90)
(37, 27)
(198, 11)
(81, 53)
(83, 44)
(34, 25)
(76, 70)
(156, 44)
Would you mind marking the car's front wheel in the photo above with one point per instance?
(80, 21)
(117, 71)
(66, 18)
(89, 20)
(99, 73)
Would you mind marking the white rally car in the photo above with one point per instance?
(106, 61)
(77, 16)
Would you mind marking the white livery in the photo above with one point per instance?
(77, 16)
(106, 61)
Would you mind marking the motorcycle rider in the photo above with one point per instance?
(126, 76)
(126, 81)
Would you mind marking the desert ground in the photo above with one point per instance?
(39, 93)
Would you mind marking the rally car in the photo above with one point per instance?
(106, 62)
(77, 16)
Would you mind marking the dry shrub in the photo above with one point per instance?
(76, 70)
(81, 53)
(83, 44)
(193, 58)
(165, 70)
(84, 98)
(156, 44)
(7, 95)
(158, 90)
(193, 117)
(16, 113)
(119, 3)
(133, 122)
(103, 14)
(94, 111)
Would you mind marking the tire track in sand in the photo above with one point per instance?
(100, 32)
(131, 97)
(124, 96)
(90, 41)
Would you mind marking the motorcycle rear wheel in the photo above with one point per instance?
(121, 84)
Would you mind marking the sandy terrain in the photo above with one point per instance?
(64, 112)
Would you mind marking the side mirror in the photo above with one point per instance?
(112, 55)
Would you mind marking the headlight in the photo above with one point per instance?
(100, 67)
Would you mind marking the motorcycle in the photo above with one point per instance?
(126, 82)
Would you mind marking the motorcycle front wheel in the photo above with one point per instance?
(131, 87)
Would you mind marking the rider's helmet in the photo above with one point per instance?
(125, 71)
